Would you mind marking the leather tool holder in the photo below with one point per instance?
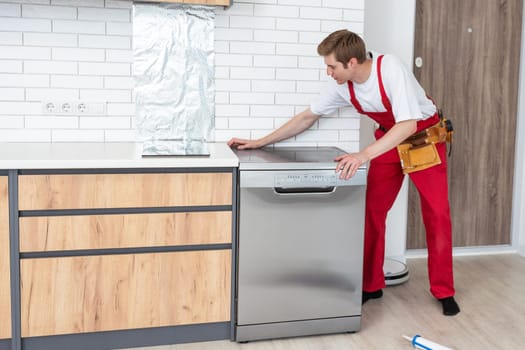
(415, 158)
(419, 152)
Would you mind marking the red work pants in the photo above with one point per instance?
(385, 178)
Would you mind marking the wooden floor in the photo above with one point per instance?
(490, 290)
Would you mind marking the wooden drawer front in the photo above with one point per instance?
(124, 231)
(111, 292)
(84, 191)
(5, 284)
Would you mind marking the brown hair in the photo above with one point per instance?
(345, 45)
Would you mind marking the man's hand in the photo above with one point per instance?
(243, 143)
(348, 164)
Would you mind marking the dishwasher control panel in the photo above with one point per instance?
(305, 180)
(298, 178)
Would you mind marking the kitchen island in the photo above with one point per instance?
(108, 249)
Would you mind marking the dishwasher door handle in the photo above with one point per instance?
(287, 191)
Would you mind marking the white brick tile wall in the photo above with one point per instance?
(77, 135)
(257, 98)
(79, 55)
(23, 81)
(43, 94)
(121, 109)
(84, 27)
(24, 52)
(10, 10)
(252, 73)
(269, 111)
(8, 122)
(50, 67)
(118, 83)
(251, 22)
(51, 122)
(95, 14)
(8, 66)
(75, 81)
(12, 94)
(89, 68)
(50, 39)
(232, 111)
(105, 122)
(276, 11)
(25, 135)
(105, 95)
(321, 13)
(10, 38)
(274, 61)
(54, 12)
(232, 85)
(252, 47)
(25, 24)
(275, 36)
(297, 74)
(90, 3)
(298, 24)
(233, 60)
(273, 85)
(105, 42)
(119, 135)
(251, 123)
(266, 68)
(120, 28)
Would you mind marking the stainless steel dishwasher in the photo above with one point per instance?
(300, 244)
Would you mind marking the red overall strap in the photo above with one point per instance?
(384, 97)
(354, 101)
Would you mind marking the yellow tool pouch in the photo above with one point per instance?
(414, 158)
(419, 152)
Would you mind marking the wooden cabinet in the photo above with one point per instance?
(143, 250)
(5, 285)
(111, 292)
(87, 191)
(52, 233)
(199, 2)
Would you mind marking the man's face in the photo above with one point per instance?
(336, 70)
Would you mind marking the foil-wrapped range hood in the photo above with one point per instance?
(173, 69)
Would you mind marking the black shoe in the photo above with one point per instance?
(450, 307)
(371, 295)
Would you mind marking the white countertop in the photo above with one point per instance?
(104, 155)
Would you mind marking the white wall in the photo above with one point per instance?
(62, 51)
(389, 28)
(267, 68)
(518, 209)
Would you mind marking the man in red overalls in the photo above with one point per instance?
(382, 88)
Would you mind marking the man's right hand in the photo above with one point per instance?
(244, 143)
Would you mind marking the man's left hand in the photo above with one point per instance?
(348, 164)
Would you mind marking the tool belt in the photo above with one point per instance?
(419, 152)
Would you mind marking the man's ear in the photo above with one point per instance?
(352, 62)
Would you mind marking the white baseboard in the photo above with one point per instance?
(466, 251)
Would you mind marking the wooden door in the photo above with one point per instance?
(470, 51)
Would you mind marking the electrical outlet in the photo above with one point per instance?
(90, 108)
(65, 107)
(81, 107)
(73, 107)
(49, 107)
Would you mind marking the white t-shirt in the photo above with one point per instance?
(407, 97)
